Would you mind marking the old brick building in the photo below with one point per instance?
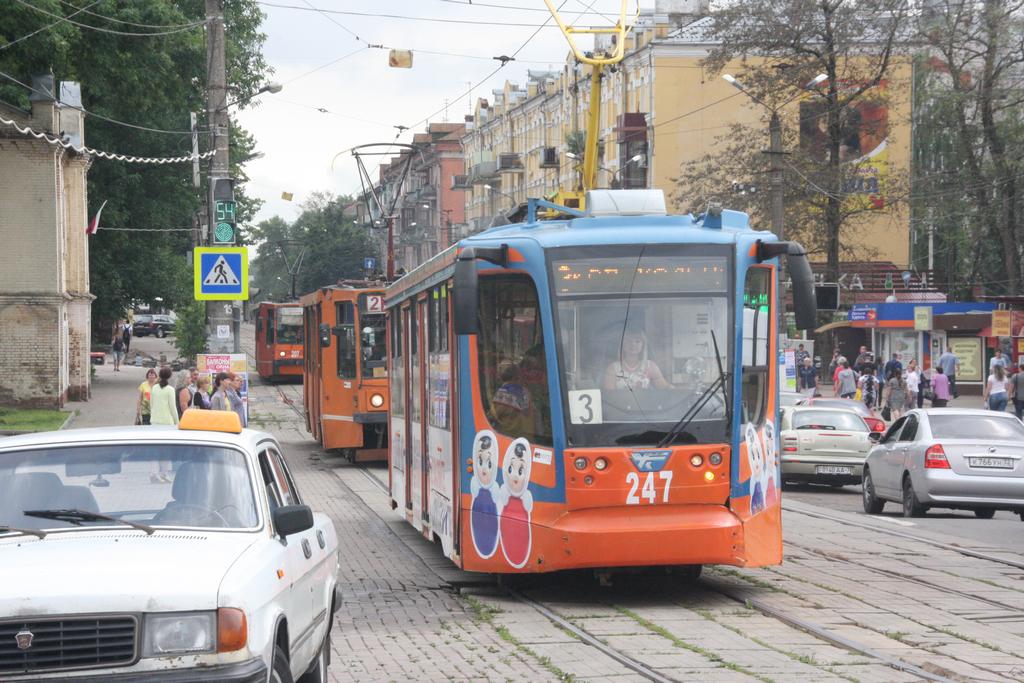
(45, 304)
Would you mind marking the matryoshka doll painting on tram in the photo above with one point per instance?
(486, 494)
(516, 503)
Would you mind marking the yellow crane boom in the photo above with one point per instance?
(597, 61)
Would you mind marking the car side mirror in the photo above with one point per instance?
(292, 519)
(875, 436)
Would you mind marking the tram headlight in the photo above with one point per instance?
(281, 354)
(581, 463)
(376, 400)
(696, 459)
(715, 459)
(600, 464)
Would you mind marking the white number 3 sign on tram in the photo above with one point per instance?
(585, 407)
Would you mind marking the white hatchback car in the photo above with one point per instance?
(823, 445)
(216, 572)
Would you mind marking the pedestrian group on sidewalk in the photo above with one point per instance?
(894, 389)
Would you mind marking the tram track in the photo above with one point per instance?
(650, 673)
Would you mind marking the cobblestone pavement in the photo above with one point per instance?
(848, 602)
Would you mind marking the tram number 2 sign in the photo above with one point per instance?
(648, 491)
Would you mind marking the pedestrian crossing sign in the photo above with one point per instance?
(221, 273)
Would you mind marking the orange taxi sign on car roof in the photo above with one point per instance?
(210, 421)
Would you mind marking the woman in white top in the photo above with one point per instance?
(995, 389)
(913, 384)
(634, 370)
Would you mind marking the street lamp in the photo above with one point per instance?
(272, 87)
(504, 194)
(615, 173)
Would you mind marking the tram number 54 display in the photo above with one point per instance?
(649, 491)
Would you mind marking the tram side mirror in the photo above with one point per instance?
(805, 302)
(325, 335)
(466, 295)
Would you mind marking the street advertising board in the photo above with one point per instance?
(968, 352)
(1002, 321)
(787, 369)
(209, 364)
(922, 318)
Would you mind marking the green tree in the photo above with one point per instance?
(776, 47)
(190, 330)
(334, 248)
(153, 82)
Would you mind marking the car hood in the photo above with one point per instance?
(115, 570)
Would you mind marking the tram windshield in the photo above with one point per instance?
(289, 325)
(373, 330)
(637, 327)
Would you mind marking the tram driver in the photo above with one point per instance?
(633, 369)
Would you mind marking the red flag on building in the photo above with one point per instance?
(94, 224)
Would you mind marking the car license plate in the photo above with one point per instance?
(833, 469)
(997, 463)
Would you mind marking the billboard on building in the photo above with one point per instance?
(863, 150)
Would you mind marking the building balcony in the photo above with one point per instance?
(461, 182)
(484, 172)
(428, 192)
(510, 163)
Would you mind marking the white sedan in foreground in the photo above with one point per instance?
(161, 554)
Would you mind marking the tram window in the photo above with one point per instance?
(439, 319)
(270, 326)
(346, 333)
(757, 311)
(510, 345)
(289, 325)
(397, 365)
(372, 328)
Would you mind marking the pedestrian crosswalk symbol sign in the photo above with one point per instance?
(221, 273)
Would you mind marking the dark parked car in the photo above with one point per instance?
(157, 325)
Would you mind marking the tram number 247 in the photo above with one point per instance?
(648, 491)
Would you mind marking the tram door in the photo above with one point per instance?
(409, 325)
(415, 424)
(421, 396)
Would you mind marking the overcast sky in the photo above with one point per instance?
(365, 97)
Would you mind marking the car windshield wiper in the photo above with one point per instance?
(702, 400)
(76, 517)
(14, 529)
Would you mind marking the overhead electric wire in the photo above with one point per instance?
(190, 24)
(382, 15)
(107, 30)
(94, 114)
(48, 26)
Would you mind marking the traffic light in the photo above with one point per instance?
(222, 211)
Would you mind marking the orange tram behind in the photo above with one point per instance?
(597, 393)
(279, 341)
(345, 379)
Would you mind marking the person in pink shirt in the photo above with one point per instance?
(940, 388)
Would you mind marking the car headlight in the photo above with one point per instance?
(376, 400)
(179, 633)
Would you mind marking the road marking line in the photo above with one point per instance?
(892, 520)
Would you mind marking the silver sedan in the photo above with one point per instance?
(948, 458)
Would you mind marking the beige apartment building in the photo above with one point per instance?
(660, 109)
(45, 304)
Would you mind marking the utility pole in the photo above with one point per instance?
(217, 119)
(775, 153)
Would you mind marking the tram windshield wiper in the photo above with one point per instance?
(702, 400)
(13, 529)
(76, 517)
(652, 435)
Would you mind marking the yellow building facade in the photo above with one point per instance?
(660, 110)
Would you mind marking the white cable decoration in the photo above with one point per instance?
(53, 140)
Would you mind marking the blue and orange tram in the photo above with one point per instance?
(594, 391)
